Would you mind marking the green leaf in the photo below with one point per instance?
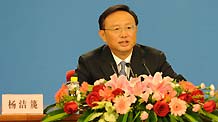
(87, 119)
(138, 119)
(85, 115)
(196, 116)
(165, 119)
(179, 119)
(54, 112)
(49, 108)
(100, 105)
(212, 116)
(190, 118)
(130, 117)
(159, 119)
(56, 117)
(95, 115)
(215, 112)
(125, 117)
(152, 117)
(172, 118)
(136, 116)
(120, 118)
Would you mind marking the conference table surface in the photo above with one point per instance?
(32, 118)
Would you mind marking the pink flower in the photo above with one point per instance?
(157, 96)
(118, 82)
(137, 87)
(157, 78)
(177, 106)
(134, 81)
(145, 96)
(122, 104)
(132, 99)
(144, 115)
(168, 91)
(149, 106)
(196, 107)
(161, 87)
(61, 92)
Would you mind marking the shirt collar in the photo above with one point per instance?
(118, 60)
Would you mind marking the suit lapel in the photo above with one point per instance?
(108, 65)
(137, 61)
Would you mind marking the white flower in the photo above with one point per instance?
(212, 93)
(212, 87)
(73, 85)
(202, 86)
(78, 97)
(98, 82)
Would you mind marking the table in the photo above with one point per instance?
(32, 118)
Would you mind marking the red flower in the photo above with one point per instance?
(210, 106)
(70, 107)
(92, 97)
(98, 87)
(117, 91)
(198, 96)
(69, 74)
(161, 108)
(186, 97)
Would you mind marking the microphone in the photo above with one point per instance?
(113, 68)
(146, 68)
(69, 74)
(131, 71)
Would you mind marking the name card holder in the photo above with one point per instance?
(22, 104)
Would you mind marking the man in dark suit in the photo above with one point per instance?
(121, 53)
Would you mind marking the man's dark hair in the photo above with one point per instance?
(113, 9)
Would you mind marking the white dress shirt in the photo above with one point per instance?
(118, 60)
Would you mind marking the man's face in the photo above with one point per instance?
(120, 32)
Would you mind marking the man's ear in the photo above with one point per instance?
(101, 33)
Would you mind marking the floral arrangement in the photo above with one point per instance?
(141, 99)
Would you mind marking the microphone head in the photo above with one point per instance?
(131, 71)
(69, 74)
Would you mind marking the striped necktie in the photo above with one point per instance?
(122, 70)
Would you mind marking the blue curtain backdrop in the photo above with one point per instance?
(41, 39)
